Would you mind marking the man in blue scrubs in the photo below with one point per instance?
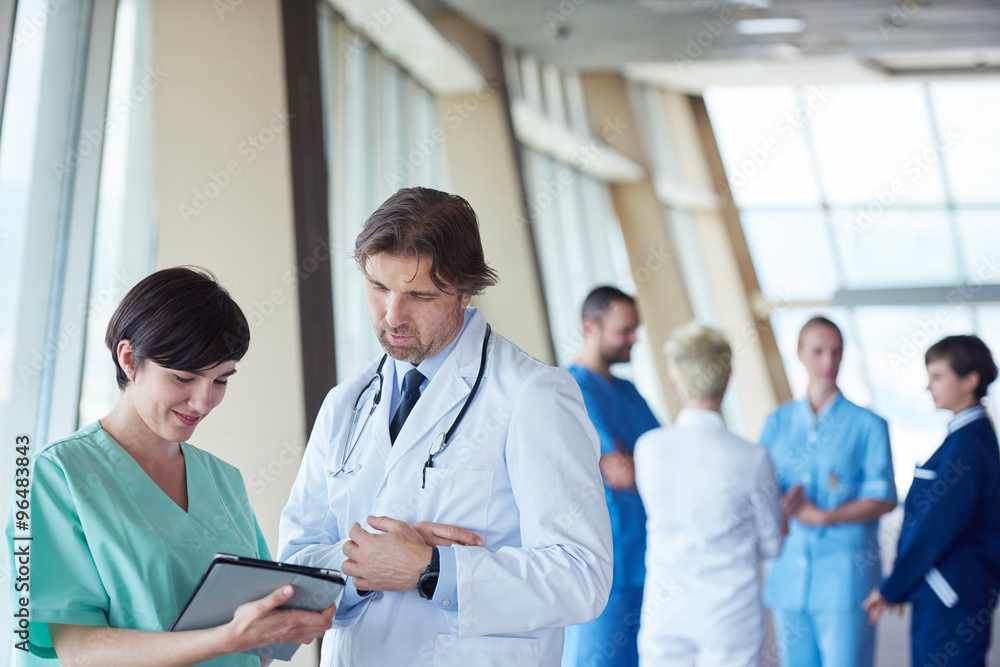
(833, 462)
(620, 416)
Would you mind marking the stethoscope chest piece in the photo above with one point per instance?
(438, 445)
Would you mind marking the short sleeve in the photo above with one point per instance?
(607, 441)
(66, 587)
(879, 481)
(597, 413)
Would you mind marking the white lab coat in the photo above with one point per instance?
(521, 471)
(713, 511)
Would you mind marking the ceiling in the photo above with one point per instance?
(693, 43)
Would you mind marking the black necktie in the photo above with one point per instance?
(411, 393)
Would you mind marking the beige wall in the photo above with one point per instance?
(221, 131)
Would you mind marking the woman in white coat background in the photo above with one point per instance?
(713, 511)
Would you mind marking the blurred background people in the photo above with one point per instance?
(620, 415)
(713, 507)
(948, 561)
(833, 461)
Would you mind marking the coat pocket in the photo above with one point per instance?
(450, 651)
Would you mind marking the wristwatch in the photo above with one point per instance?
(429, 579)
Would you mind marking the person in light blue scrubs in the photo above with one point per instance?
(125, 515)
(833, 462)
(620, 416)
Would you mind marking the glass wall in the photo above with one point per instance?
(576, 232)
(124, 240)
(75, 214)
(685, 205)
(877, 206)
(381, 134)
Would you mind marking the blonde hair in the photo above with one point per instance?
(699, 361)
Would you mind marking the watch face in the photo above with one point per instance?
(427, 584)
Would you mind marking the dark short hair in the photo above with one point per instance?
(179, 318)
(442, 226)
(598, 302)
(819, 321)
(965, 354)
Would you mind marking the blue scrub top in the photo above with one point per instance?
(838, 456)
(620, 415)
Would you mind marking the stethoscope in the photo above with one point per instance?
(374, 388)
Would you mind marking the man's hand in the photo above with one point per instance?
(445, 535)
(391, 561)
(618, 469)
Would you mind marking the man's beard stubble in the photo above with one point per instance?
(416, 354)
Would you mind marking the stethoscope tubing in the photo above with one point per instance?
(439, 444)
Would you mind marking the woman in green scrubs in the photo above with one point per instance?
(126, 515)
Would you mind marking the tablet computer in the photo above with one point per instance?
(231, 581)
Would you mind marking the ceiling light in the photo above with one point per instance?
(769, 26)
(701, 5)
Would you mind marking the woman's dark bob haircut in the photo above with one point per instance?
(435, 224)
(179, 318)
(965, 354)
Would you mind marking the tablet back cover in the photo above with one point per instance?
(227, 585)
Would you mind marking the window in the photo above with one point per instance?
(844, 190)
(75, 210)
(125, 232)
(380, 128)
(576, 232)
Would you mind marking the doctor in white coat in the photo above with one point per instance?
(465, 502)
(713, 511)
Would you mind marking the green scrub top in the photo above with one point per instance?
(110, 548)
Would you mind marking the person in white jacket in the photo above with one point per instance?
(713, 511)
(455, 480)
